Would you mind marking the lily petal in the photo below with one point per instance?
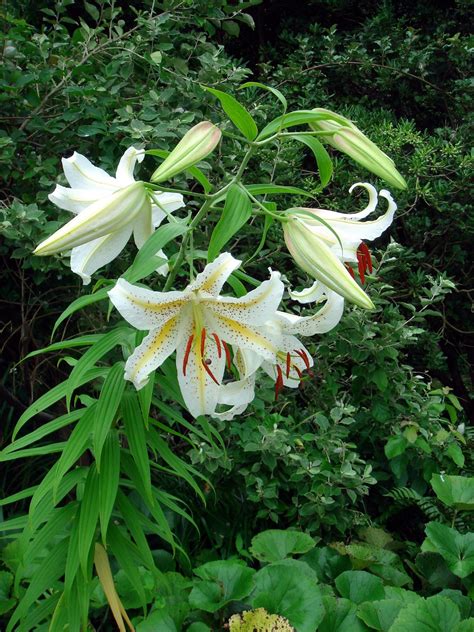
(323, 321)
(255, 307)
(145, 309)
(370, 208)
(82, 174)
(74, 200)
(164, 203)
(238, 395)
(310, 294)
(89, 257)
(153, 351)
(215, 274)
(200, 391)
(126, 166)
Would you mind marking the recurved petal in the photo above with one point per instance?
(310, 294)
(126, 165)
(236, 394)
(143, 226)
(163, 204)
(325, 319)
(153, 351)
(82, 174)
(74, 200)
(241, 335)
(88, 258)
(199, 374)
(164, 268)
(143, 308)
(371, 206)
(254, 308)
(215, 274)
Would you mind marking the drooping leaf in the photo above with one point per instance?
(136, 437)
(88, 517)
(256, 84)
(323, 159)
(293, 119)
(109, 476)
(456, 548)
(79, 303)
(454, 491)
(277, 544)
(107, 406)
(236, 112)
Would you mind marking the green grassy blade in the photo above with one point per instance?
(323, 159)
(51, 397)
(108, 481)
(239, 116)
(29, 452)
(56, 525)
(43, 579)
(145, 395)
(123, 550)
(14, 524)
(129, 514)
(81, 341)
(298, 117)
(237, 211)
(256, 84)
(79, 303)
(43, 431)
(91, 356)
(107, 406)
(42, 610)
(88, 517)
(40, 504)
(14, 498)
(137, 440)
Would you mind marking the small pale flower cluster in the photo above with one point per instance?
(221, 342)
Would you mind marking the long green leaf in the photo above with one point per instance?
(236, 213)
(107, 406)
(145, 263)
(109, 475)
(137, 440)
(51, 448)
(79, 303)
(123, 551)
(236, 112)
(130, 516)
(43, 431)
(81, 341)
(53, 396)
(256, 84)
(88, 517)
(292, 119)
(14, 498)
(56, 525)
(42, 502)
(41, 611)
(93, 355)
(276, 189)
(322, 157)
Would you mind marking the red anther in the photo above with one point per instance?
(278, 382)
(209, 372)
(361, 266)
(350, 270)
(366, 255)
(304, 357)
(187, 352)
(218, 344)
(299, 372)
(208, 361)
(288, 364)
(227, 354)
(203, 340)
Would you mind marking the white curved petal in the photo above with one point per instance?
(254, 308)
(107, 215)
(247, 362)
(145, 309)
(215, 274)
(311, 294)
(200, 392)
(153, 351)
(236, 394)
(143, 226)
(323, 321)
(126, 165)
(164, 268)
(74, 200)
(163, 204)
(82, 174)
(241, 335)
(88, 258)
(370, 208)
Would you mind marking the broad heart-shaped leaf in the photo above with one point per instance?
(456, 548)
(237, 210)
(157, 620)
(359, 586)
(288, 589)
(223, 581)
(435, 614)
(454, 491)
(236, 112)
(340, 616)
(277, 544)
(327, 563)
(379, 615)
(323, 159)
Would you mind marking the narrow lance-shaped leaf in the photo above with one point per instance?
(236, 213)
(107, 406)
(89, 514)
(79, 303)
(106, 579)
(322, 157)
(256, 84)
(108, 481)
(136, 436)
(239, 116)
(292, 119)
(122, 549)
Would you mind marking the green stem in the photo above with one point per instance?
(161, 189)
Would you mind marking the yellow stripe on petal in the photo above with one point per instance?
(241, 335)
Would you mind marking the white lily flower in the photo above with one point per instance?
(200, 325)
(292, 357)
(321, 241)
(107, 211)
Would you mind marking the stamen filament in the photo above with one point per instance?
(278, 382)
(288, 364)
(187, 352)
(210, 373)
(218, 344)
(227, 354)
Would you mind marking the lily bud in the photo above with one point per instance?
(315, 257)
(193, 147)
(351, 141)
(105, 216)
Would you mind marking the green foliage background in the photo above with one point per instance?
(389, 404)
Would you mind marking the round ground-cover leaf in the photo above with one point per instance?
(400, 594)
(359, 586)
(327, 563)
(463, 602)
(340, 616)
(199, 626)
(466, 626)
(277, 544)
(158, 620)
(379, 615)
(454, 491)
(435, 614)
(286, 589)
(222, 581)
(456, 548)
